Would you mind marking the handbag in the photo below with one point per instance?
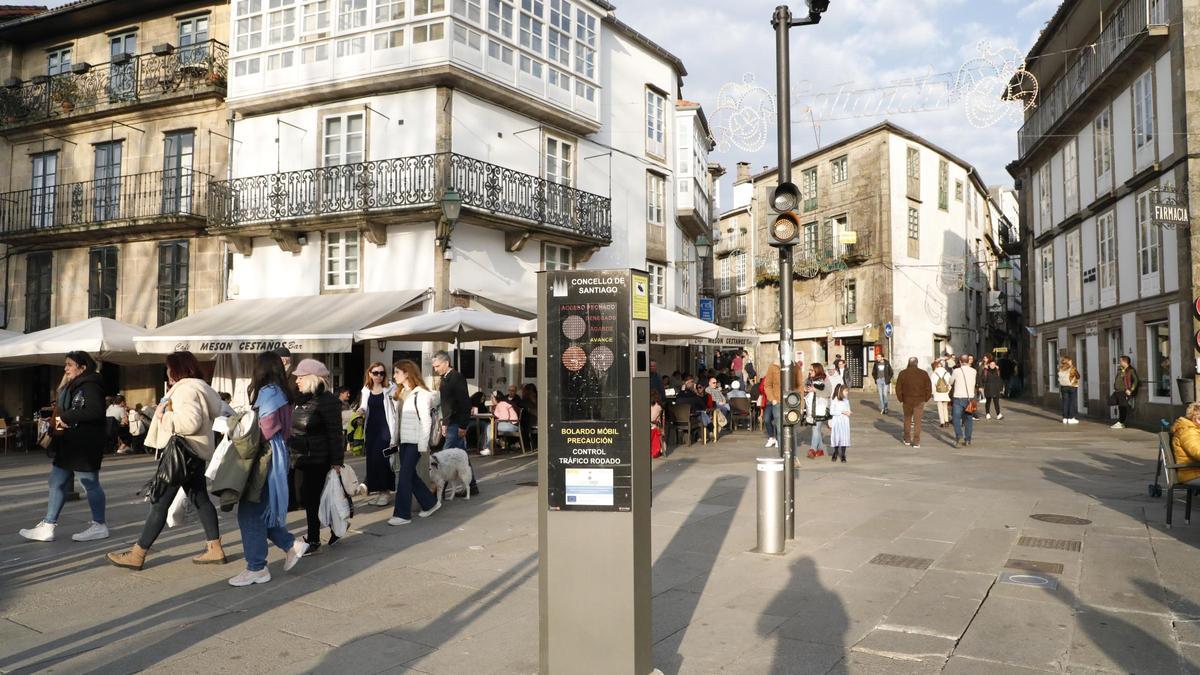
(972, 406)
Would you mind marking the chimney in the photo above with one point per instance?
(743, 173)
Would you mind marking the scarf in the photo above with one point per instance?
(275, 420)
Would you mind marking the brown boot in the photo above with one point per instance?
(132, 559)
(213, 554)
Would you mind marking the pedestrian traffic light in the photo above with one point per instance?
(791, 408)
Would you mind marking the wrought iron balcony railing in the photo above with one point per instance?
(122, 198)
(1127, 24)
(406, 182)
(824, 257)
(181, 70)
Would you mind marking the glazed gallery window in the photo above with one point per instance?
(656, 123)
(1158, 342)
(428, 6)
(281, 22)
(468, 9)
(532, 28)
(314, 17)
(500, 17)
(658, 283)
(471, 39)
(247, 32)
(352, 14)
(172, 281)
(39, 280)
(388, 10)
(341, 259)
(429, 32)
(102, 282)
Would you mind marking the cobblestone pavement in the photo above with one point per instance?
(457, 593)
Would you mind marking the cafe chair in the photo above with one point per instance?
(739, 410)
(509, 435)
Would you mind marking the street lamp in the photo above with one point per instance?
(451, 204)
(703, 247)
(785, 233)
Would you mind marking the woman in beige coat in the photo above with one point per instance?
(188, 410)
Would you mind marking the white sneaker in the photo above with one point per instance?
(95, 531)
(486, 452)
(383, 499)
(771, 443)
(43, 531)
(1065, 421)
(999, 417)
(989, 416)
(916, 445)
(247, 578)
(397, 520)
(294, 554)
(1072, 421)
(430, 511)
(1118, 425)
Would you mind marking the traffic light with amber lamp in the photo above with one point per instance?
(791, 408)
(785, 230)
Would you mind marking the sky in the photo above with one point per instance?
(859, 44)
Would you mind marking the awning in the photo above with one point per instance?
(666, 327)
(817, 333)
(512, 304)
(307, 324)
(726, 337)
(104, 339)
(457, 324)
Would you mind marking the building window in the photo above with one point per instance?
(810, 240)
(1071, 176)
(39, 283)
(468, 9)
(389, 40)
(1149, 242)
(1044, 194)
(585, 44)
(1047, 256)
(1158, 342)
(531, 25)
(1102, 141)
(44, 184)
(58, 61)
(388, 10)
(943, 185)
(530, 66)
(354, 46)
(560, 159)
(1106, 268)
(500, 18)
(429, 32)
(500, 52)
(723, 308)
(343, 140)
(248, 29)
(556, 257)
(958, 190)
(172, 281)
(468, 37)
(286, 59)
(1052, 364)
(281, 22)
(808, 188)
(106, 175)
(742, 280)
(656, 198)
(656, 123)
(1074, 269)
(913, 172)
(314, 17)
(839, 167)
(352, 14)
(421, 7)
(341, 259)
(1143, 110)
(247, 67)
(102, 282)
(177, 177)
(658, 283)
(314, 54)
(850, 302)
(725, 283)
(741, 306)
(914, 223)
(560, 79)
(585, 91)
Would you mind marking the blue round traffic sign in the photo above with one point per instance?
(887, 329)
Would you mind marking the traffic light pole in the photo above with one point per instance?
(782, 21)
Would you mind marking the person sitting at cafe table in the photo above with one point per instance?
(693, 396)
(718, 396)
(736, 391)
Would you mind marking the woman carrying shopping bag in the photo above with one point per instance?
(317, 443)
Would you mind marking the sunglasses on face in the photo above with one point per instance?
(379, 373)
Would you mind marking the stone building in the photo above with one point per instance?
(894, 230)
(1106, 145)
(112, 121)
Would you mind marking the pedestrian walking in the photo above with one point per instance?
(942, 379)
(188, 410)
(456, 408)
(1125, 386)
(737, 364)
(416, 420)
(819, 391)
(1068, 389)
(993, 386)
(262, 517)
(316, 445)
(772, 395)
(962, 395)
(883, 381)
(376, 403)
(913, 390)
(78, 436)
(839, 423)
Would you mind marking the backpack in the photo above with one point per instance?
(941, 387)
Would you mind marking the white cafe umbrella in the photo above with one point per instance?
(664, 325)
(104, 339)
(448, 325)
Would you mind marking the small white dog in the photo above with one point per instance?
(447, 466)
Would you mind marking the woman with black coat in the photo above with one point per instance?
(993, 386)
(78, 448)
(317, 442)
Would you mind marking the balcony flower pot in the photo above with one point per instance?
(63, 92)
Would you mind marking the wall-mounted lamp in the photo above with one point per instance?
(451, 204)
(381, 344)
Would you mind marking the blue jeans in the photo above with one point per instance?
(818, 439)
(409, 484)
(962, 419)
(255, 532)
(883, 394)
(770, 420)
(453, 440)
(1070, 396)
(60, 484)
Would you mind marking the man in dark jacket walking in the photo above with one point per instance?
(456, 407)
(883, 381)
(913, 390)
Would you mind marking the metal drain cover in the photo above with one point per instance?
(907, 562)
(1034, 566)
(1056, 544)
(1024, 579)
(1060, 519)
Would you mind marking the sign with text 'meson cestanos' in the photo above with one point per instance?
(588, 348)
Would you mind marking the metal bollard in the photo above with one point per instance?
(771, 504)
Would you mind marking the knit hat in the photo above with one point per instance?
(311, 367)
